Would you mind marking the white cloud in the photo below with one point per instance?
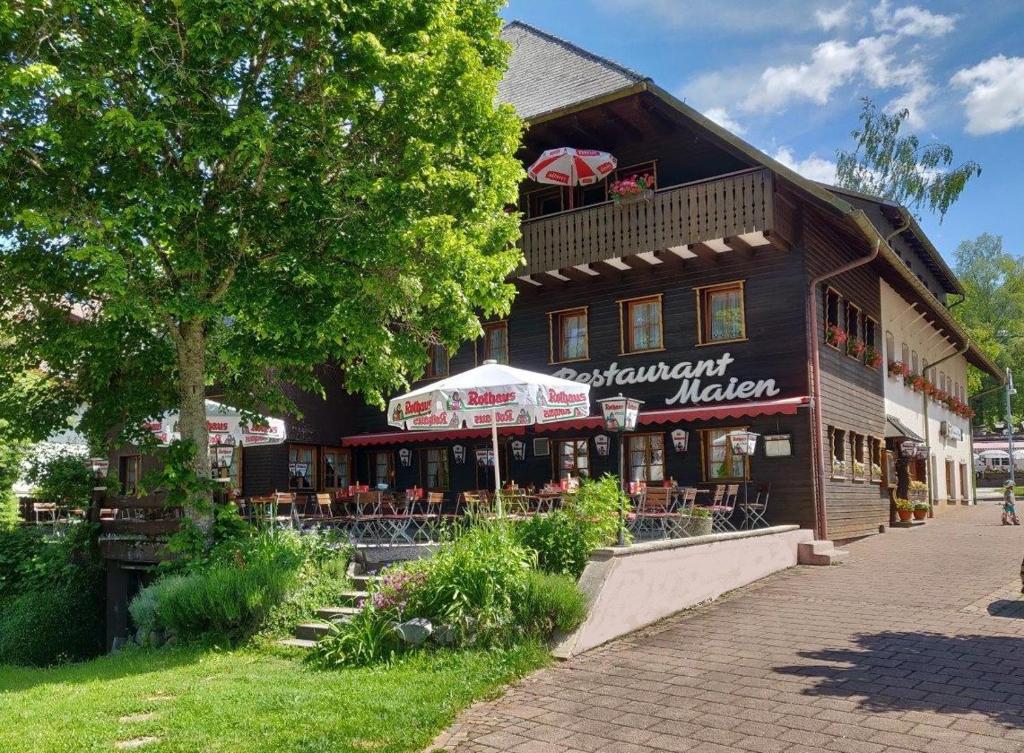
(812, 167)
(834, 18)
(995, 96)
(911, 21)
(884, 60)
(721, 116)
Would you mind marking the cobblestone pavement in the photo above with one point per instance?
(915, 644)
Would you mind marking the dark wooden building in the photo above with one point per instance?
(709, 298)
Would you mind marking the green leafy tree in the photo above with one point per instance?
(235, 191)
(899, 167)
(993, 314)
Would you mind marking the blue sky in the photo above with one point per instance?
(788, 75)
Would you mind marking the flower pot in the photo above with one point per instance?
(644, 194)
(698, 526)
(905, 515)
(920, 514)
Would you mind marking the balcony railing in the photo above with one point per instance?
(722, 207)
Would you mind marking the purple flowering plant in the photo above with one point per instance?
(395, 589)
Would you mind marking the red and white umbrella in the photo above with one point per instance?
(489, 396)
(566, 166)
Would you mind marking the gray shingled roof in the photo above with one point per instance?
(546, 73)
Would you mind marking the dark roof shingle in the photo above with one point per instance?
(546, 73)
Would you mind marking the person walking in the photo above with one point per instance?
(1009, 508)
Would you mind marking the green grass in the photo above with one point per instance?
(256, 702)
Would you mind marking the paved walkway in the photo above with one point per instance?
(915, 644)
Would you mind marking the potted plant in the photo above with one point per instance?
(699, 523)
(836, 336)
(921, 510)
(855, 346)
(633, 188)
(872, 356)
(899, 369)
(904, 509)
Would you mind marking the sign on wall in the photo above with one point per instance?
(459, 451)
(519, 449)
(405, 457)
(694, 378)
(601, 442)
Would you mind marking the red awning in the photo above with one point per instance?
(408, 437)
(783, 406)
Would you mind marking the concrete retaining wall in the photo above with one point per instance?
(631, 587)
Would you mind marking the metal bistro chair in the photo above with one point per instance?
(283, 512)
(656, 514)
(686, 500)
(323, 513)
(425, 523)
(366, 523)
(722, 507)
(754, 512)
(395, 520)
(45, 513)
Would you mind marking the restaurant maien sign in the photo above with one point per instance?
(694, 378)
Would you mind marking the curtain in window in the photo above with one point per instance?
(645, 325)
(720, 459)
(573, 458)
(726, 314)
(301, 470)
(496, 343)
(646, 458)
(436, 469)
(574, 336)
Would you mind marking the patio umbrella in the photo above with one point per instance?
(489, 396)
(226, 426)
(570, 167)
(994, 455)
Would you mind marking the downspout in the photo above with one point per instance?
(814, 361)
(974, 471)
(927, 427)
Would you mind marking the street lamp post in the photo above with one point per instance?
(1010, 391)
(620, 415)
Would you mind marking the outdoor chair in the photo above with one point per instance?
(283, 512)
(686, 499)
(45, 513)
(425, 523)
(322, 510)
(754, 511)
(395, 520)
(722, 507)
(366, 522)
(656, 515)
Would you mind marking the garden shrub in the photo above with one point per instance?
(565, 538)
(245, 584)
(51, 596)
(64, 478)
(551, 602)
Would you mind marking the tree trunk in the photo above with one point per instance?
(192, 409)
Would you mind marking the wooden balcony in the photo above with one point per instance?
(675, 217)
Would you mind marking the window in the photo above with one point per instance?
(642, 168)
(720, 313)
(640, 325)
(942, 380)
(853, 329)
(568, 335)
(301, 467)
(646, 457)
(437, 365)
(913, 362)
(831, 311)
(720, 464)
(337, 467)
(905, 354)
(837, 444)
(382, 467)
(434, 469)
(129, 469)
(860, 469)
(890, 347)
(544, 201)
(496, 341)
(874, 459)
(572, 457)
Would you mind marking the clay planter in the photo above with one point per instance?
(920, 514)
(698, 526)
(905, 515)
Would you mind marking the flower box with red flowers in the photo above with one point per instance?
(899, 369)
(855, 346)
(872, 357)
(836, 336)
(633, 188)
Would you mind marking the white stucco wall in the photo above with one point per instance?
(901, 401)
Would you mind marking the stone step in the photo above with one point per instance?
(337, 614)
(297, 643)
(363, 581)
(312, 631)
(351, 598)
(820, 552)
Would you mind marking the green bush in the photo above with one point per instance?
(565, 538)
(246, 584)
(63, 622)
(64, 478)
(550, 602)
(369, 637)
